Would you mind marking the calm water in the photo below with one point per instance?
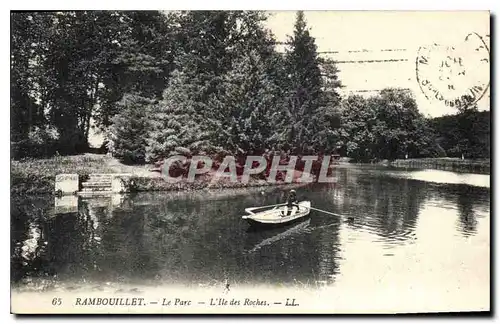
(402, 228)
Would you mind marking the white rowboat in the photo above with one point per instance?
(279, 215)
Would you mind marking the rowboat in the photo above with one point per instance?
(277, 216)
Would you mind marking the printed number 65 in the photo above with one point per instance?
(56, 301)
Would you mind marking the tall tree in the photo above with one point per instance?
(305, 84)
(28, 50)
(254, 91)
(191, 103)
(326, 120)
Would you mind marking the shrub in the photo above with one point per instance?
(40, 142)
(129, 130)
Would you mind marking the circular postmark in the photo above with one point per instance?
(456, 76)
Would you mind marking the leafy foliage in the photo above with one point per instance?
(205, 82)
(221, 96)
(466, 133)
(68, 67)
(129, 130)
(387, 126)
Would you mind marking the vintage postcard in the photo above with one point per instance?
(250, 162)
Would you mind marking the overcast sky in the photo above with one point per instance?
(370, 34)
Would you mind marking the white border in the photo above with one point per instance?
(191, 4)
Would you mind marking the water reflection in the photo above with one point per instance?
(470, 202)
(200, 239)
(467, 217)
(467, 220)
(258, 238)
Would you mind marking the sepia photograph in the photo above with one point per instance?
(250, 162)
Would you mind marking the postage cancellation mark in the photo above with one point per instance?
(454, 75)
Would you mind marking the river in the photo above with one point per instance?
(424, 234)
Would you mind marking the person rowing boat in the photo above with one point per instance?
(290, 203)
(285, 213)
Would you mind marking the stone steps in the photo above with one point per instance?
(97, 183)
(99, 179)
(93, 184)
(96, 189)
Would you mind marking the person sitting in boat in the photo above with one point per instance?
(290, 203)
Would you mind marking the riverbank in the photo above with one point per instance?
(447, 164)
(37, 176)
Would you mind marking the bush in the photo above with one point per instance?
(129, 130)
(40, 142)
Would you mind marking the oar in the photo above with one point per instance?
(251, 209)
(326, 212)
(269, 206)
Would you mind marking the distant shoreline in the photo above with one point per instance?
(447, 164)
(479, 166)
(37, 176)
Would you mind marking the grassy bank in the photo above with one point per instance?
(449, 164)
(37, 176)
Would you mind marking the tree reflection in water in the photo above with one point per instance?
(200, 239)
